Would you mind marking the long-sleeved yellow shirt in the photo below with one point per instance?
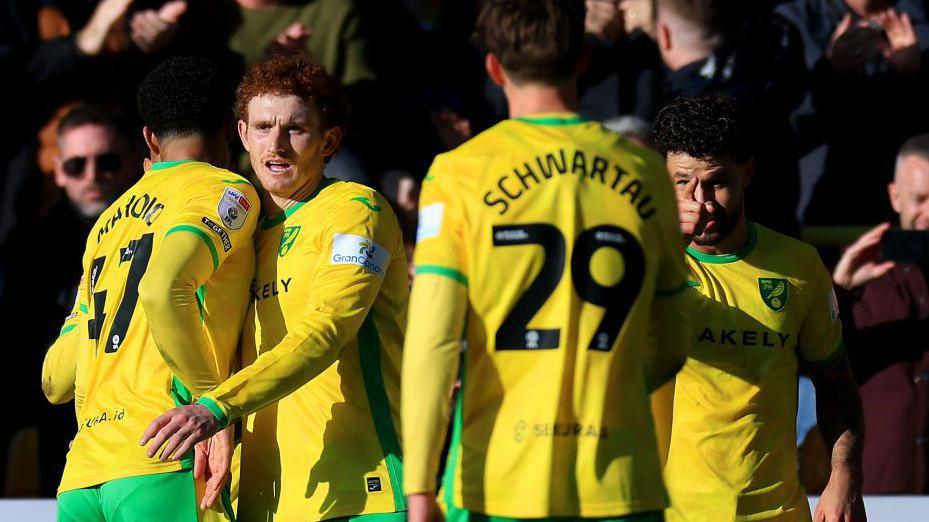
(322, 353)
(158, 313)
(560, 250)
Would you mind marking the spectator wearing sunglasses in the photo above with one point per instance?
(97, 162)
(40, 264)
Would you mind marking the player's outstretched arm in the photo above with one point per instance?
(841, 422)
(342, 297)
(438, 306)
(331, 320)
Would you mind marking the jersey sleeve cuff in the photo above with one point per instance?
(215, 409)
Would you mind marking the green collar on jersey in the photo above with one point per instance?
(728, 258)
(277, 219)
(160, 165)
(556, 119)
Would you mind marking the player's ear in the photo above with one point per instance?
(151, 141)
(242, 127)
(332, 138)
(494, 69)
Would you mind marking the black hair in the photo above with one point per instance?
(185, 95)
(92, 114)
(703, 126)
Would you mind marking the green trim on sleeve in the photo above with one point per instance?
(369, 348)
(241, 181)
(450, 273)
(83, 308)
(674, 291)
(728, 258)
(214, 408)
(67, 329)
(367, 202)
(206, 239)
(161, 165)
(836, 354)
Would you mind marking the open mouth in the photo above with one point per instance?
(278, 166)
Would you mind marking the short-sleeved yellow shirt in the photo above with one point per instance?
(733, 442)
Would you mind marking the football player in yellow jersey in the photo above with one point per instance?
(556, 242)
(159, 307)
(768, 308)
(323, 337)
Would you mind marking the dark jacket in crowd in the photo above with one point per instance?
(40, 265)
(887, 331)
(862, 119)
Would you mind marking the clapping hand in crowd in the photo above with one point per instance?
(451, 127)
(861, 262)
(888, 34)
(901, 47)
(91, 38)
(604, 20)
(291, 41)
(854, 43)
(153, 30)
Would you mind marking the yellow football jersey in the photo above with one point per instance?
(563, 233)
(122, 380)
(733, 442)
(330, 295)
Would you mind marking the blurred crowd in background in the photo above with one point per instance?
(837, 90)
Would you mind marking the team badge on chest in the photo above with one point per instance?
(774, 292)
(233, 208)
(287, 240)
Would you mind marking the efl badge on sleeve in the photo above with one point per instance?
(774, 292)
(233, 208)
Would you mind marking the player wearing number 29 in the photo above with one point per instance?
(768, 307)
(160, 305)
(556, 242)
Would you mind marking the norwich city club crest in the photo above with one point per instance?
(287, 240)
(774, 292)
